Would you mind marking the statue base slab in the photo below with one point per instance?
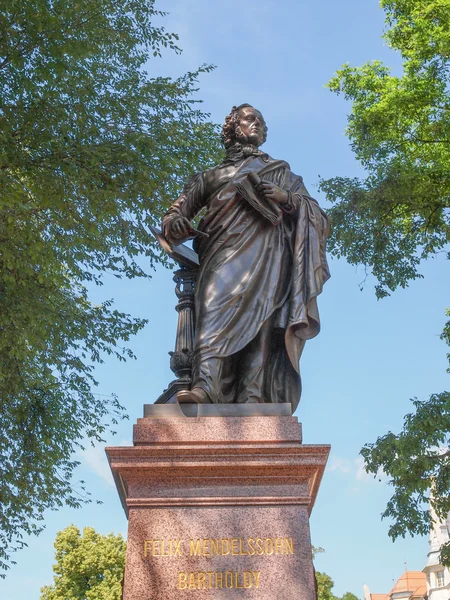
(255, 409)
(218, 507)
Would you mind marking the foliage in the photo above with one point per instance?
(316, 550)
(349, 596)
(398, 215)
(324, 586)
(414, 463)
(324, 589)
(88, 566)
(92, 149)
(398, 128)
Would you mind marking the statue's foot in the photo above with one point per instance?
(195, 396)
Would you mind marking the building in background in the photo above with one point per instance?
(433, 583)
(412, 585)
(438, 577)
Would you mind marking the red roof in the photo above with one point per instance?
(414, 582)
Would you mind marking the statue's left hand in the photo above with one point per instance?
(273, 192)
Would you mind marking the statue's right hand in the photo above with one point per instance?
(180, 228)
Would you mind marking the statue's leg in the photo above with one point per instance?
(252, 363)
(194, 396)
(282, 382)
(216, 377)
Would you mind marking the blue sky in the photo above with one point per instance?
(371, 356)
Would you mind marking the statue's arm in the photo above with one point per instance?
(296, 192)
(289, 197)
(176, 222)
(293, 203)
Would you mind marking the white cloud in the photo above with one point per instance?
(355, 469)
(361, 474)
(342, 465)
(94, 458)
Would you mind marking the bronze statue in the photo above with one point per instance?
(261, 247)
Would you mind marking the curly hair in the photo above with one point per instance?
(231, 131)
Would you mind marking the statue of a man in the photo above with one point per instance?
(262, 266)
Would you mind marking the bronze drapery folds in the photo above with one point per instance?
(262, 258)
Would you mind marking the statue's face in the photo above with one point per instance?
(251, 123)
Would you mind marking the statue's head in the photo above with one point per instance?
(244, 125)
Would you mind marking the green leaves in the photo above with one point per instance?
(417, 463)
(399, 130)
(414, 463)
(398, 215)
(88, 566)
(325, 586)
(91, 152)
(419, 29)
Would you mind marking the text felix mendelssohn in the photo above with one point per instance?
(211, 547)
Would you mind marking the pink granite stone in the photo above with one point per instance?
(225, 430)
(218, 507)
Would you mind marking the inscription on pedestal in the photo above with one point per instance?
(211, 547)
(218, 507)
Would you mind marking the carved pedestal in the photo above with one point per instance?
(218, 506)
(181, 358)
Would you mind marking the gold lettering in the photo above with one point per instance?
(177, 550)
(268, 546)
(256, 575)
(163, 547)
(279, 546)
(248, 580)
(209, 547)
(215, 547)
(219, 582)
(210, 576)
(195, 548)
(225, 544)
(241, 551)
(251, 547)
(259, 547)
(182, 580)
(204, 580)
(147, 546)
(205, 549)
(229, 579)
(192, 585)
(234, 546)
(237, 586)
(201, 581)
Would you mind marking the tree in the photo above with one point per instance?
(397, 216)
(324, 589)
(325, 584)
(88, 566)
(91, 567)
(91, 151)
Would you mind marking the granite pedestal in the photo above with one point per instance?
(218, 500)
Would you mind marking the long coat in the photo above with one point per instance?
(253, 269)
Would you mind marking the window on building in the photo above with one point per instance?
(440, 579)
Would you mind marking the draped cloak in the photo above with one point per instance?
(252, 270)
